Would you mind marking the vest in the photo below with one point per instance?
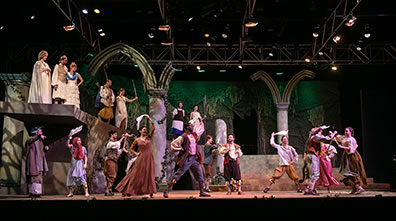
(181, 158)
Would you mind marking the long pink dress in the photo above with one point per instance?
(140, 179)
(326, 176)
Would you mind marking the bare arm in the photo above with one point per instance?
(81, 80)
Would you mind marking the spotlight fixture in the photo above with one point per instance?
(97, 11)
(102, 34)
(271, 54)
(69, 27)
(307, 60)
(358, 48)
(224, 35)
(164, 27)
(206, 35)
(198, 67)
(190, 19)
(150, 35)
(85, 11)
(315, 32)
(350, 21)
(251, 23)
(367, 31)
(320, 53)
(100, 30)
(334, 67)
(240, 66)
(32, 17)
(336, 39)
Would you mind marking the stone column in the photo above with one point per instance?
(282, 117)
(221, 138)
(157, 112)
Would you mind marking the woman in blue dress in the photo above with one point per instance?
(78, 164)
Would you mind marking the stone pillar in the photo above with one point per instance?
(221, 138)
(282, 117)
(157, 112)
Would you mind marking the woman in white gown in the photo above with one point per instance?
(121, 118)
(73, 93)
(195, 117)
(40, 86)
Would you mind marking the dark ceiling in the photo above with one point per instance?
(280, 21)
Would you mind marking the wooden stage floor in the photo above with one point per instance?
(188, 204)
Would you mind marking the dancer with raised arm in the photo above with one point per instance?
(78, 165)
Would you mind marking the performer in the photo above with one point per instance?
(36, 164)
(59, 81)
(112, 154)
(313, 151)
(107, 102)
(209, 151)
(73, 93)
(177, 123)
(140, 179)
(121, 118)
(326, 178)
(40, 86)
(287, 157)
(77, 174)
(351, 167)
(188, 157)
(232, 152)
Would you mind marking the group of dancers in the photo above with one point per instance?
(140, 179)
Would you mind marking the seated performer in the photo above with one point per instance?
(232, 152)
(188, 157)
(287, 156)
(107, 99)
(77, 174)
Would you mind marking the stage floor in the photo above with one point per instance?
(181, 204)
(191, 194)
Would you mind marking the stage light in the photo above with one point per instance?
(190, 19)
(102, 34)
(224, 35)
(320, 53)
(206, 35)
(240, 66)
(334, 68)
(100, 30)
(201, 70)
(337, 39)
(271, 54)
(90, 55)
(279, 73)
(150, 35)
(251, 23)
(208, 44)
(164, 27)
(166, 42)
(315, 32)
(32, 17)
(350, 21)
(307, 60)
(1, 27)
(85, 11)
(69, 27)
(367, 31)
(198, 67)
(222, 70)
(97, 11)
(358, 48)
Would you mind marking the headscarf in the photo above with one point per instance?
(78, 150)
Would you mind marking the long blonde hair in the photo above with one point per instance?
(42, 54)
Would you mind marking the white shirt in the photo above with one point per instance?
(285, 154)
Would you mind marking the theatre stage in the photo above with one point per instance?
(250, 203)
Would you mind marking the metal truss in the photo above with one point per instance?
(256, 54)
(73, 14)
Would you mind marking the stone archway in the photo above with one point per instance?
(157, 91)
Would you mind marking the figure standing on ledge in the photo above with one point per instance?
(73, 92)
(287, 157)
(59, 81)
(352, 167)
(78, 165)
(188, 157)
(40, 86)
(36, 164)
(140, 179)
(178, 118)
(121, 117)
(232, 152)
(107, 102)
(112, 154)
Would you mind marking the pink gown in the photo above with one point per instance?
(326, 176)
